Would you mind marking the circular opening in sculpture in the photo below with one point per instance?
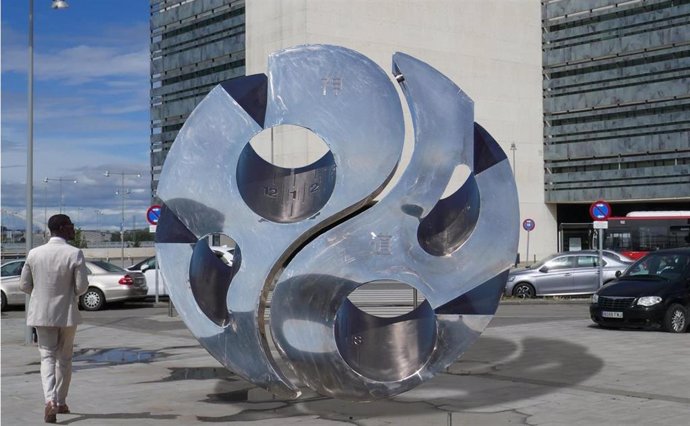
(452, 220)
(389, 348)
(289, 146)
(286, 174)
(216, 258)
(386, 298)
(460, 175)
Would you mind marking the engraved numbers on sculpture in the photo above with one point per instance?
(270, 191)
(278, 188)
(381, 244)
(331, 85)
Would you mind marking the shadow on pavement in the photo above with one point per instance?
(495, 371)
(114, 416)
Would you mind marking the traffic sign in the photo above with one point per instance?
(600, 210)
(601, 224)
(528, 225)
(152, 214)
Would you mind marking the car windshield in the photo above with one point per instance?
(107, 266)
(661, 265)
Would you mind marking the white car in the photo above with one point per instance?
(9, 283)
(224, 253)
(149, 268)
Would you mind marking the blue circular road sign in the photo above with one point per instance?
(528, 225)
(600, 210)
(152, 214)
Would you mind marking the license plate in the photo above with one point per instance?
(609, 314)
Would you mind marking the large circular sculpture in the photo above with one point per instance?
(310, 234)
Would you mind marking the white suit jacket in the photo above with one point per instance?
(55, 275)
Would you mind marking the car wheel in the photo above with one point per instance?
(92, 300)
(676, 319)
(4, 301)
(524, 290)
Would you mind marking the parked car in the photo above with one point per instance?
(568, 273)
(107, 283)
(653, 292)
(225, 253)
(12, 268)
(148, 267)
(110, 283)
(9, 284)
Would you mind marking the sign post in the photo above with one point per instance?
(152, 215)
(600, 211)
(528, 225)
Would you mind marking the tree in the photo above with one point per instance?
(79, 240)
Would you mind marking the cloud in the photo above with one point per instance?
(9, 144)
(80, 64)
(91, 102)
(93, 191)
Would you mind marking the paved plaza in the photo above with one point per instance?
(536, 364)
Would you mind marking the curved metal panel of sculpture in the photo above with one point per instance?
(307, 233)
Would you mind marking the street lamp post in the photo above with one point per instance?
(98, 213)
(123, 193)
(45, 211)
(60, 179)
(57, 4)
(513, 148)
(79, 209)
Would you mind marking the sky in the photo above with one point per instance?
(91, 112)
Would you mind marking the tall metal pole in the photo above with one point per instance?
(62, 198)
(30, 162)
(122, 193)
(122, 224)
(45, 211)
(29, 237)
(601, 262)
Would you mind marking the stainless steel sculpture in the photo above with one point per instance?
(310, 235)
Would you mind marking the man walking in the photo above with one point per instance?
(55, 275)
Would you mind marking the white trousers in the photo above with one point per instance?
(56, 345)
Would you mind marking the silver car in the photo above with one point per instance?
(107, 283)
(565, 274)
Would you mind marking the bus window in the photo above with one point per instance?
(680, 236)
(617, 241)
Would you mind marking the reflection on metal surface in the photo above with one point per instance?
(309, 234)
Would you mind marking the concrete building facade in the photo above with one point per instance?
(588, 98)
(491, 49)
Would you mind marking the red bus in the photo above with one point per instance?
(634, 235)
(638, 233)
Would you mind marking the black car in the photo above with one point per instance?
(652, 292)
